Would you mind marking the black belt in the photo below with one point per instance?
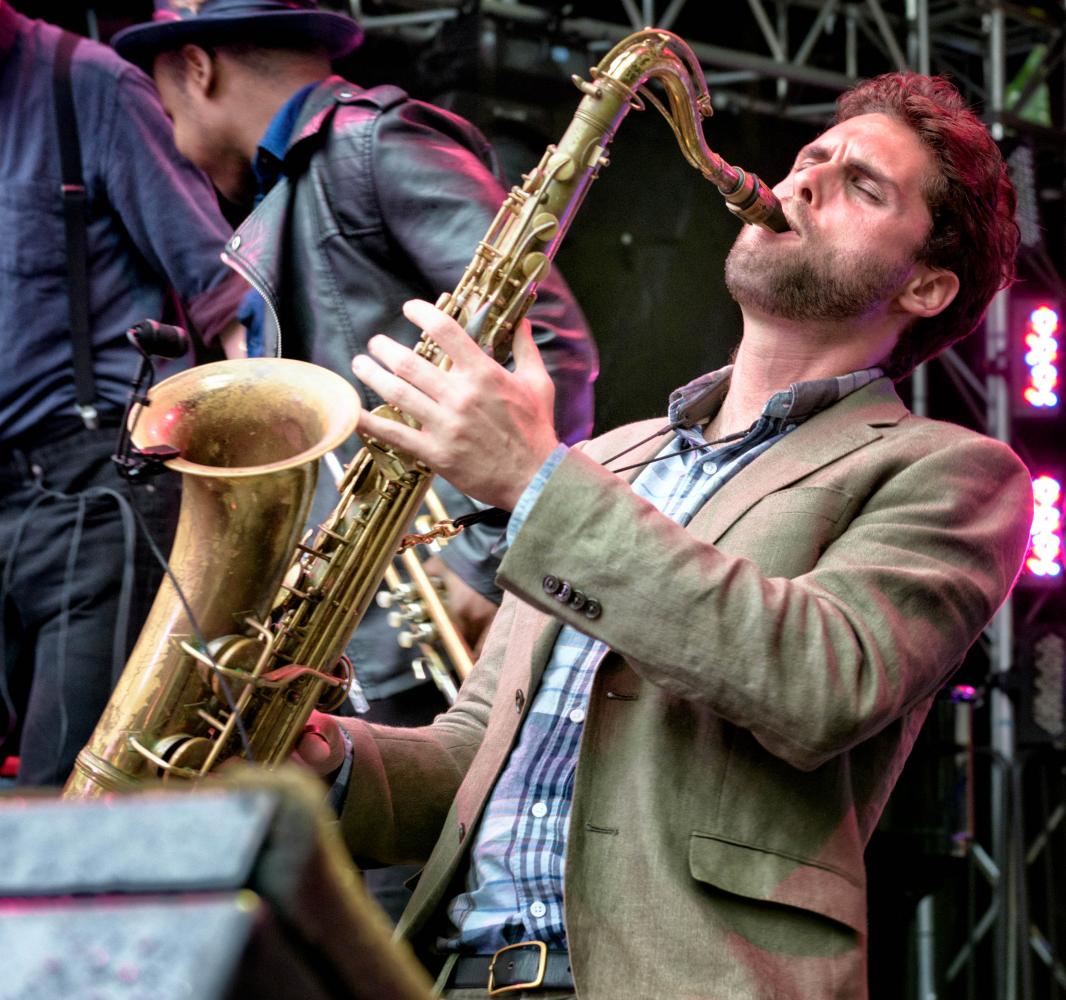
(51, 430)
(525, 966)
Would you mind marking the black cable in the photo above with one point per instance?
(200, 638)
(135, 464)
(736, 436)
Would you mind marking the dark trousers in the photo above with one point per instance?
(76, 582)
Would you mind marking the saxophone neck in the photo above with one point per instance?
(658, 54)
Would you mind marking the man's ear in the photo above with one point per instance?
(929, 291)
(201, 72)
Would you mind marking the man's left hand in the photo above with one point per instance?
(485, 429)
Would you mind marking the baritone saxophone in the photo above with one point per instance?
(186, 705)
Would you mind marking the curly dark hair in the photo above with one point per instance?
(971, 200)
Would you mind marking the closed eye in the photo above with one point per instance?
(869, 191)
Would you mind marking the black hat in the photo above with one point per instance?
(276, 23)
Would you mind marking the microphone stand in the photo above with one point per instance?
(137, 465)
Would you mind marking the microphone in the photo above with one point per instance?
(152, 339)
(158, 339)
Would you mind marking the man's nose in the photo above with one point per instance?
(811, 184)
(805, 186)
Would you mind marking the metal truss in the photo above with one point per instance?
(792, 57)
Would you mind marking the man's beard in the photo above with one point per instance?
(805, 283)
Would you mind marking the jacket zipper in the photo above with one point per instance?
(252, 280)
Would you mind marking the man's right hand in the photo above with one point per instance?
(321, 746)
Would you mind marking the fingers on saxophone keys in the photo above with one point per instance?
(393, 389)
(396, 434)
(442, 330)
(407, 365)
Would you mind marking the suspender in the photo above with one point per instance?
(75, 222)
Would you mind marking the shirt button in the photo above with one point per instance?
(539, 809)
(538, 909)
(235, 243)
(577, 715)
(710, 468)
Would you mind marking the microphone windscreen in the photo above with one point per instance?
(159, 339)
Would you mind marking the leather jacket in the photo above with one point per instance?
(383, 198)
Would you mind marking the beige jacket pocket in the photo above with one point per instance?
(773, 877)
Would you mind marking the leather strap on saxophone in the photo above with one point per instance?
(186, 705)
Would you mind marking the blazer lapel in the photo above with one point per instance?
(826, 437)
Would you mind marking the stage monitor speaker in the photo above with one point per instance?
(239, 890)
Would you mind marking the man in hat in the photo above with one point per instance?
(76, 577)
(364, 199)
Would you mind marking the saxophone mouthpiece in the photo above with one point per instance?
(754, 203)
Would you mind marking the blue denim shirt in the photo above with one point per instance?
(153, 223)
(267, 167)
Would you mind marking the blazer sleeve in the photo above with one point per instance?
(403, 780)
(810, 665)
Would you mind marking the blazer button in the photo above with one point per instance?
(462, 832)
(519, 700)
(578, 600)
(552, 584)
(563, 594)
(592, 609)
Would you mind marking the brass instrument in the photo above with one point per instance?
(181, 707)
(418, 609)
(250, 434)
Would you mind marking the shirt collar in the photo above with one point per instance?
(693, 404)
(270, 155)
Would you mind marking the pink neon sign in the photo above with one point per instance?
(1045, 557)
(1041, 372)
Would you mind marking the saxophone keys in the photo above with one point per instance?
(560, 166)
(545, 226)
(535, 266)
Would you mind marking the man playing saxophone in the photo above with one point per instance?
(723, 628)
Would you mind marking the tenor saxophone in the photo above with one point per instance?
(185, 703)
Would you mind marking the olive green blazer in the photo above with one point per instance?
(772, 664)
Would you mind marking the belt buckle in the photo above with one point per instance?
(495, 991)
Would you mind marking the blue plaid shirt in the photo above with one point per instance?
(514, 886)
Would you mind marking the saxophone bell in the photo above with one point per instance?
(249, 434)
